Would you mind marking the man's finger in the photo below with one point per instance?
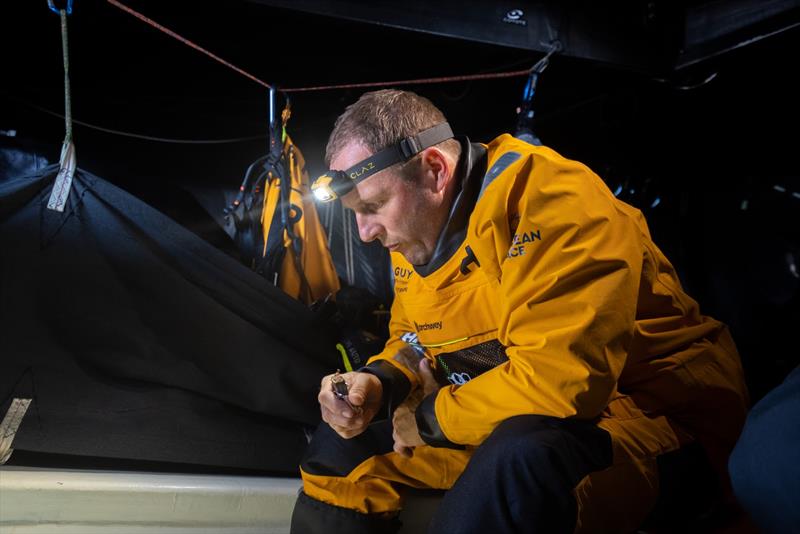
(429, 384)
(347, 430)
(325, 383)
(332, 405)
(339, 417)
(357, 395)
(399, 447)
(357, 385)
(402, 450)
(324, 396)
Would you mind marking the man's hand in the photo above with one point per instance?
(405, 432)
(365, 396)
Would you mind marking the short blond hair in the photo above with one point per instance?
(381, 118)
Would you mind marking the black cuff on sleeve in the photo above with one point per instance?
(395, 384)
(428, 426)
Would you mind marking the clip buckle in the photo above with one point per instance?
(57, 10)
(410, 146)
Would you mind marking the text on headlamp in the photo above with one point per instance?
(358, 172)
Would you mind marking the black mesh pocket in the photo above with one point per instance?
(463, 365)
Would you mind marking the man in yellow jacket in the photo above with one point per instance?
(543, 358)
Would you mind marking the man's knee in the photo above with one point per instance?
(545, 444)
(329, 454)
(522, 477)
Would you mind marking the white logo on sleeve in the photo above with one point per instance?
(459, 379)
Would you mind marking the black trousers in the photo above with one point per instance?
(519, 480)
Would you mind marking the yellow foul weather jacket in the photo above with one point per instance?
(546, 295)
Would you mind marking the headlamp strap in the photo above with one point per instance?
(413, 145)
(404, 150)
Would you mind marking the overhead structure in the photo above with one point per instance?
(655, 36)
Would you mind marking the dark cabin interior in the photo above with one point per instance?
(687, 110)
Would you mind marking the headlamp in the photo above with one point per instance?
(335, 184)
(325, 187)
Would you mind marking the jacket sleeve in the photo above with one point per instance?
(568, 302)
(391, 365)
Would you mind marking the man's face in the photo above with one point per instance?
(403, 215)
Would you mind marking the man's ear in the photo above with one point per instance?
(438, 169)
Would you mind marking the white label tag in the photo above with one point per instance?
(63, 183)
(9, 426)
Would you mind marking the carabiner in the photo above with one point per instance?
(57, 11)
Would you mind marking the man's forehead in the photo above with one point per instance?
(365, 192)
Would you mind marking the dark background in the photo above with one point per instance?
(711, 153)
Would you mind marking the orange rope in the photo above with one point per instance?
(442, 79)
(186, 41)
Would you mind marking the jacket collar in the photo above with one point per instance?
(471, 169)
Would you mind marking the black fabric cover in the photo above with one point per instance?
(139, 340)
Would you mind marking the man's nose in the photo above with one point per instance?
(368, 228)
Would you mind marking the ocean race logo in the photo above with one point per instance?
(521, 240)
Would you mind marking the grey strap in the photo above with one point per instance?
(63, 182)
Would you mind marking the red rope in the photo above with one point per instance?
(442, 79)
(186, 41)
